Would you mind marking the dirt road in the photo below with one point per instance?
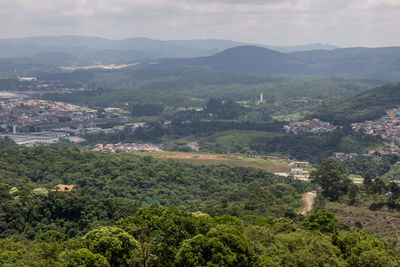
(308, 199)
(198, 156)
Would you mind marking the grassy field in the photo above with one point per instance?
(383, 221)
(239, 138)
(289, 117)
(217, 159)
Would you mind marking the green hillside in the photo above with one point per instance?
(378, 63)
(127, 210)
(110, 186)
(367, 105)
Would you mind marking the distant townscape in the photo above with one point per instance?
(23, 112)
(340, 156)
(312, 126)
(126, 147)
(387, 127)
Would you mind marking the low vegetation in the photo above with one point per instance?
(221, 159)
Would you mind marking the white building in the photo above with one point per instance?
(27, 79)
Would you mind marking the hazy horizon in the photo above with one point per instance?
(164, 40)
(340, 23)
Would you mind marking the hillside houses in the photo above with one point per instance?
(23, 112)
(65, 188)
(387, 127)
(312, 126)
(340, 156)
(126, 147)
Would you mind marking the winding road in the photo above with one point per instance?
(308, 199)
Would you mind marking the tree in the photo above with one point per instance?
(362, 249)
(368, 183)
(12, 253)
(379, 186)
(222, 246)
(353, 193)
(321, 220)
(83, 258)
(161, 230)
(395, 189)
(332, 178)
(116, 245)
(40, 192)
(301, 248)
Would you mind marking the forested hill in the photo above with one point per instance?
(378, 63)
(367, 105)
(101, 224)
(245, 59)
(111, 185)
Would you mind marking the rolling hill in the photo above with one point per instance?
(82, 46)
(244, 59)
(367, 105)
(223, 55)
(379, 63)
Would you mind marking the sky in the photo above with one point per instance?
(344, 23)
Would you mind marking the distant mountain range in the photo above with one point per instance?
(378, 63)
(44, 53)
(105, 50)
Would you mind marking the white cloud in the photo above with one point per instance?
(340, 22)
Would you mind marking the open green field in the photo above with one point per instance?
(217, 159)
(289, 117)
(240, 138)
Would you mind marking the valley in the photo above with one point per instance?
(276, 158)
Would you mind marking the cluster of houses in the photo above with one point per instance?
(387, 127)
(126, 147)
(65, 188)
(341, 156)
(35, 84)
(42, 138)
(23, 112)
(312, 126)
(193, 145)
(92, 128)
(297, 170)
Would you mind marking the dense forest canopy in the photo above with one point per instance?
(111, 186)
(162, 236)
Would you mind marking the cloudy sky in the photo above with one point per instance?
(272, 22)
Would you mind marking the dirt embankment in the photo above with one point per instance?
(308, 199)
(193, 156)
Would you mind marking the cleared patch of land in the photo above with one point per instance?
(240, 138)
(308, 200)
(289, 117)
(7, 94)
(383, 221)
(218, 159)
(106, 67)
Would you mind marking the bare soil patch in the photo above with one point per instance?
(193, 156)
(308, 199)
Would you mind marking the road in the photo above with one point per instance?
(308, 199)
